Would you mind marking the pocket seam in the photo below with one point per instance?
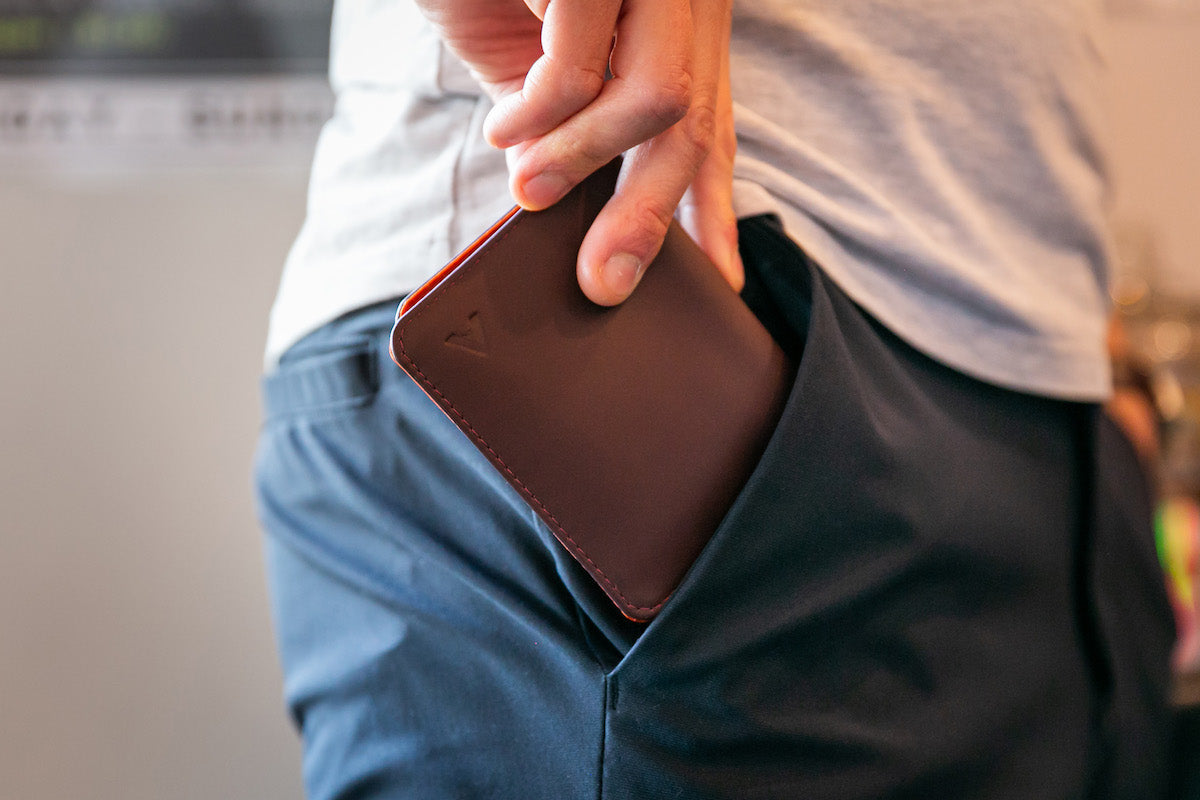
(287, 396)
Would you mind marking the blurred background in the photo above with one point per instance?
(153, 160)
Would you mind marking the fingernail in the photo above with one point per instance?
(621, 274)
(543, 191)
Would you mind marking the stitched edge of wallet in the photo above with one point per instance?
(446, 403)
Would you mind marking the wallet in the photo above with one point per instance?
(629, 430)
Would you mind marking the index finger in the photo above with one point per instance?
(653, 86)
(577, 37)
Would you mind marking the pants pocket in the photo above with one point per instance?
(331, 370)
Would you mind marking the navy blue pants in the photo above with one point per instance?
(930, 587)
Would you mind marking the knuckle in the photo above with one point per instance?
(588, 153)
(648, 226)
(579, 86)
(700, 130)
(668, 99)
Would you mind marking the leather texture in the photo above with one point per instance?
(629, 430)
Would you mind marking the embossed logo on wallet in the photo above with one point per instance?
(469, 337)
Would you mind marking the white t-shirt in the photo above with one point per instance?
(940, 160)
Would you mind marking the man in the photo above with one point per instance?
(917, 593)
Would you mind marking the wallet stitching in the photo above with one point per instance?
(528, 492)
(549, 515)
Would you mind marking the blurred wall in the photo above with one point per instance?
(1154, 100)
(136, 660)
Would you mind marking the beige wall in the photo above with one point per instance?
(135, 652)
(1154, 95)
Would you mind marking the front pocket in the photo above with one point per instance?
(779, 291)
(700, 587)
(322, 376)
(707, 583)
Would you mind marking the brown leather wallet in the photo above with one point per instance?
(629, 430)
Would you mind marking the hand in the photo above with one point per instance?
(667, 107)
